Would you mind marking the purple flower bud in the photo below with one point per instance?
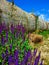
(10, 47)
(6, 36)
(35, 51)
(10, 59)
(25, 60)
(29, 53)
(16, 62)
(28, 64)
(16, 57)
(37, 59)
(18, 27)
(16, 54)
(23, 37)
(0, 28)
(17, 34)
(2, 40)
(23, 30)
(3, 55)
(22, 62)
(41, 62)
(6, 52)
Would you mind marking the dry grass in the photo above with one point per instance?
(43, 47)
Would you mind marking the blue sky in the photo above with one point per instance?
(38, 7)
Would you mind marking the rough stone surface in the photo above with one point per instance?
(15, 14)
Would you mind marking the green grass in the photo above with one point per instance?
(45, 33)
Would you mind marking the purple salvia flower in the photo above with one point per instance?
(18, 27)
(10, 47)
(10, 58)
(17, 34)
(41, 62)
(39, 55)
(3, 55)
(23, 37)
(37, 59)
(16, 57)
(6, 52)
(28, 63)
(34, 53)
(29, 57)
(16, 62)
(12, 63)
(25, 60)
(29, 53)
(16, 54)
(4, 60)
(23, 30)
(2, 40)
(22, 62)
(0, 28)
(6, 36)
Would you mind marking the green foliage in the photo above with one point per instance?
(16, 43)
(45, 33)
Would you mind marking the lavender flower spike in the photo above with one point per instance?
(6, 36)
(16, 57)
(9, 59)
(3, 55)
(6, 51)
(10, 47)
(0, 28)
(41, 62)
(35, 51)
(37, 59)
(2, 40)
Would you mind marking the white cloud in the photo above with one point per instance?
(42, 16)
